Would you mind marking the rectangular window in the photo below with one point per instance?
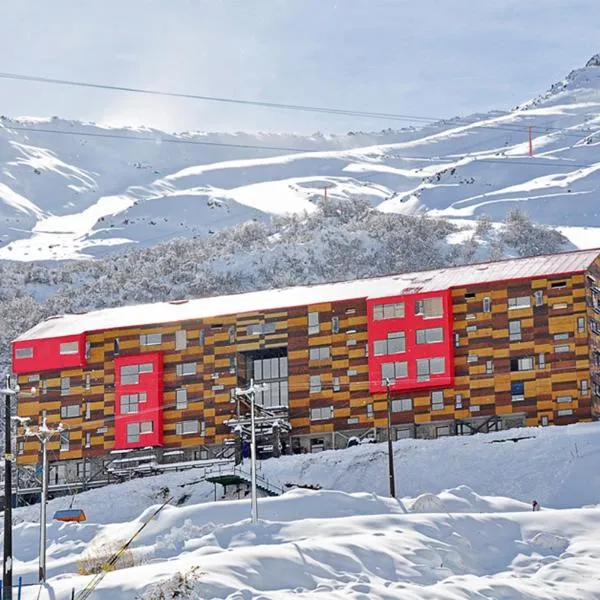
(151, 339)
(129, 404)
(146, 427)
(517, 390)
(201, 337)
(394, 310)
(322, 413)
(541, 360)
(369, 411)
(23, 352)
(442, 431)
(521, 364)
(595, 326)
(566, 412)
(544, 421)
(561, 336)
(395, 343)
(458, 401)
(184, 369)
(65, 386)
(487, 305)
(430, 366)
(580, 324)
(315, 384)
(130, 374)
(88, 440)
(430, 336)
(116, 347)
(457, 340)
(188, 427)
(471, 328)
(393, 370)
(181, 399)
(560, 306)
(539, 297)
(260, 329)
(403, 434)
(437, 400)
(319, 353)
(70, 411)
(402, 405)
(180, 339)
(88, 410)
(472, 358)
(561, 349)
(88, 381)
(133, 433)
(231, 334)
(336, 384)
(335, 324)
(430, 308)
(489, 367)
(313, 323)
(558, 284)
(514, 331)
(562, 399)
(519, 302)
(584, 387)
(64, 441)
(69, 348)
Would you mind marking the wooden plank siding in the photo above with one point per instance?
(216, 345)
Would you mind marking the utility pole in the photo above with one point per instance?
(389, 437)
(43, 433)
(530, 141)
(250, 394)
(7, 565)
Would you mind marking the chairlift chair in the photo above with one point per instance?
(69, 515)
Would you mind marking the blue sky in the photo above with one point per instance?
(435, 58)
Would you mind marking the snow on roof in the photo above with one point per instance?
(380, 287)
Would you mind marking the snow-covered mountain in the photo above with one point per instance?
(68, 189)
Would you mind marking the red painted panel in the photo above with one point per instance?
(149, 411)
(410, 323)
(45, 354)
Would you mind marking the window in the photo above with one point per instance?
(43, 387)
(70, 411)
(430, 336)
(335, 324)
(539, 297)
(322, 413)
(183, 369)
(189, 428)
(429, 366)
(472, 358)
(146, 427)
(471, 328)
(595, 326)
(315, 384)
(517, 390)
(521, 364)
(393, 370)
(260, 329)
(561, 336)
(20, 447)
(151, 339)
(403, 434)
(514, 331)
(65, 386)
(487, 305)
(475, 408)
(560, 306)
(395, 343)
(519, 302)
(231, 334)
(180, 339)
(273, 371)
(541, 360)
(369, 411)
(129, 403)
(584, 387)
(580, 324)
(457, 340)
(429, 308)
(561, 349)
(489, 367)
(84, 469)
(562, 399)
(313, 323)
(544, 421)
(469, 295)
(402, 405)
(393, 310)
(24, 353)
(116, 349)
(69, 348)
(64, 441)
(336, 384)
(471, 316)
(88, 350)
(130, 374)
(88, 410)
(133, 433)
(201, 337)
(558, 284)
(88, 381)
(319, 353)
(181, 399)
(565, 412)
(437, 400)
(442, 431)
(458, 401)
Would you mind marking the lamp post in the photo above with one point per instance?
(389, 439)
(43, 433)
(7, 564)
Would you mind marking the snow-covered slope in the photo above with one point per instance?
(66, 187)
(442, 540)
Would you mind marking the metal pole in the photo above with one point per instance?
(389, 437)
(44, 500)
(254, 502)
(7, 567)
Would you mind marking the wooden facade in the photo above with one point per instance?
(514, 362)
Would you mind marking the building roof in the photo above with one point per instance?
(379, 287)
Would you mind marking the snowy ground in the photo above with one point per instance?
(463, 528)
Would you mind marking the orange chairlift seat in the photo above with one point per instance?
(70, 515)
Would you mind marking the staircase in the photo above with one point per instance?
(233, 475)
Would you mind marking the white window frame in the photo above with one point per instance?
(402, 405)
(21, 353)
(429, 335)
(69, 348)
(435, 402)
(190, 427)
(517, 302)
(389, 310)
(430, 308)
(321, 413)
(186, 369)
(319, 353)
(515, 333)
(398, 368)
(314, 325)
(65, 441)
(65, 386)
(181, 339)
(181, 398)
(70, 411)
(315, 385)
(150, 339)
(487, 305)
